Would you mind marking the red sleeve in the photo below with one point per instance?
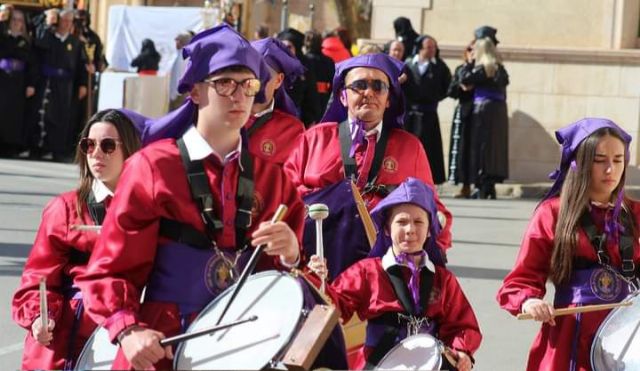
(48, 257)
(123, 258)
(458, 327)
(350, 291)
(529, 275)
(296, 163)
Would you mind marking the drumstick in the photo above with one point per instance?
(451, 356)
(85, 227)
(44, 311)
(205, 331)
(574, 310)
(369, 227)
(318, 212)
(251, 264)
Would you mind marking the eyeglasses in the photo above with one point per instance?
(359, 86)
(107, 145)
(226, 86)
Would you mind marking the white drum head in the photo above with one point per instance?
(417, 352)
(98, 353)
(277, 300)
(616, 345)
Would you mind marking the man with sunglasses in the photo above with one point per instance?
(204, 190)
(360, 139)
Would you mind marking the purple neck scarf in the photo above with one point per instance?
(414, 284)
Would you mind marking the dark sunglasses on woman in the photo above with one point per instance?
(107, 145)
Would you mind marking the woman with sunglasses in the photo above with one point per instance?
(63, 245)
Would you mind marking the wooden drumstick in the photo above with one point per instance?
(318, 212)
(574, 310)
(85, 227)
(44, 310)
(369, 226)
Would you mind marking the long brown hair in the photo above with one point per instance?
(574, 201)
(130, 143)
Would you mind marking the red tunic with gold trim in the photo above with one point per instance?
(365, 289)
(316, 163)
(60, 254)
(551, 349)
(275, 139)
(154, 185)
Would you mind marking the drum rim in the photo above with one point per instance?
(437, 341)
(87, 346)
(632, 296)
(213, 302)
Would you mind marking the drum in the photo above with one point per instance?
(277, 300)
(98, 353)
(416, 352)
(616, 345)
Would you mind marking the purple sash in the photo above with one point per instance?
(188, 276)
(591, 286)
(10, 65)
(55, 72)
(343, 231)
(375, 331)
(480, 95)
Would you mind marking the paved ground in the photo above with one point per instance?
(486, 239)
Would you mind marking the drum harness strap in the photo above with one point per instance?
(202, 196)
(350, 167)
(258, 123)
(392, 320)
(97, 211)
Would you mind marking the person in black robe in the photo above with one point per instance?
(489, 157)
(17, 82)
(460, 127)
(407, 35)
(148, 61)
(322, 65)
(432, 78)
(303, 92)
(63, 78)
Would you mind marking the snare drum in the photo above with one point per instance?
(616, 345)
(98, 352)
(416, 352)
(275, 297)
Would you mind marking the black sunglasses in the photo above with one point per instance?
(226, 86)
(107, 145)
(359, 86)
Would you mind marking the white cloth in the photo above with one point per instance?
(100, 190)
(389, 260)
(369, 132)
(198, 148)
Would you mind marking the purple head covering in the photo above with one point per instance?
(278, 57)
(139, 121)
(208, 52)
(412, 191)
(570, 138)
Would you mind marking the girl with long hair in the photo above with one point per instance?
(583, 238)
(62, 246)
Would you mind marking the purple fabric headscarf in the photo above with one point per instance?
(412, 191)
(570, 138)
(208, 52)
(278, 57)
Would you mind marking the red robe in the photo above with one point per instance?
(154, 185)
(50, 257)
(551, 350)
(277, 138)
(365, 289)
(316, 163)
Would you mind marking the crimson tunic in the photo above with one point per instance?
(154, 185)
(51, 256)
(277, 138)
(551, 350)
(317, 163)
(365, 289)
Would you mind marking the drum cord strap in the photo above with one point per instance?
(350, 167)
(392, 320)
(258, 123)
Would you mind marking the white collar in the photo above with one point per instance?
(416, 60)
(100, 190)
(266, 111)
(389, 260)
(62, 37)
(367, 132)
(198, 148)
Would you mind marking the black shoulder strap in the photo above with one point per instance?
(260, 121)
(426, 285)
(400, 288)
(378, 156)
(350, 168)
(97, 210)
(599, 242)
(201, 193)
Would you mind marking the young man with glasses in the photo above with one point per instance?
(360, 139)
(204, 190)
